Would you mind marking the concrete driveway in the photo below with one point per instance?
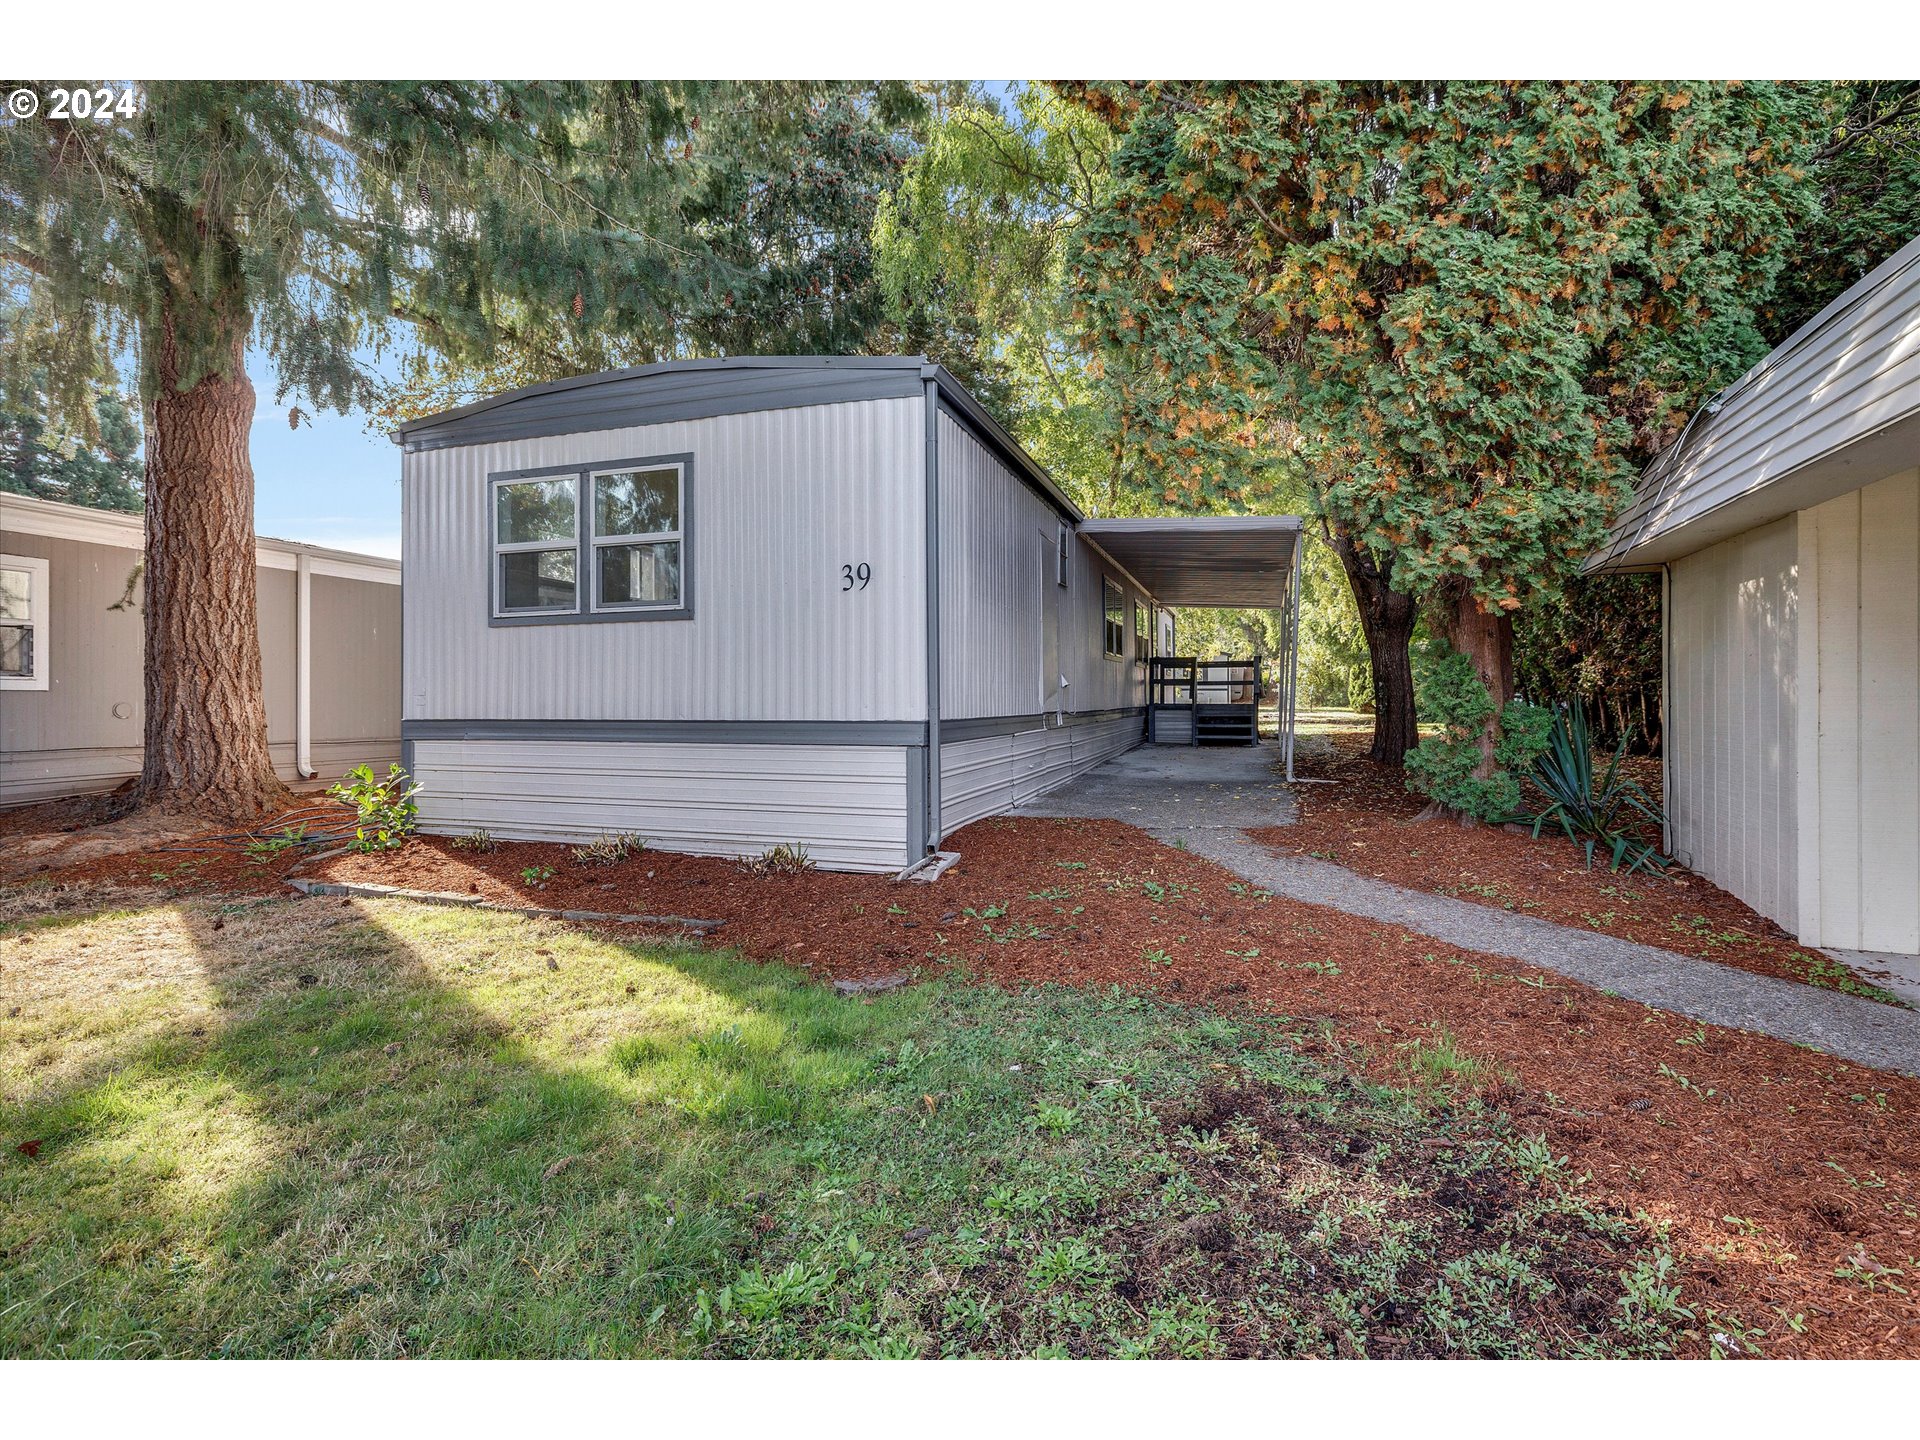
(1168, 789)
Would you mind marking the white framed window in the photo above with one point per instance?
(536, 545)
(25, 645)
(1113, 619)
(638, 539)
(1062, 555)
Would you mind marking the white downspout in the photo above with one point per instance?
(303, 667)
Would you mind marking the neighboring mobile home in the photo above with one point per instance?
(1786, 522)
(72, 709)
(738, 603)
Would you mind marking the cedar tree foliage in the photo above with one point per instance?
(1470, 311)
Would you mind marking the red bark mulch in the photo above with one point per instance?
(1791, 1180)
(1365, 821)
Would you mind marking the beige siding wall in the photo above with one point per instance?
(68, 740)
(1734, 765)
(1860, 646)
(846, 803)
(780, 501)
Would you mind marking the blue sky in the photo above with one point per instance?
(331, 482)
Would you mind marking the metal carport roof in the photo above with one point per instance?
(1229, 562)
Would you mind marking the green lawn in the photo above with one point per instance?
(302, 1127)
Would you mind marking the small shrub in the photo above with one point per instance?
(1442, 766)
(387, 809)
(609, 850)
(479, 842)
(537, 876)
(780, 859)
(270, 847)
(1593, 810)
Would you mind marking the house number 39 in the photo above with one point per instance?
(855, 577)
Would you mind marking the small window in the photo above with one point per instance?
(536, 538)
(1115, 620)
(637, 538)
(1142, 633)
(23, 623)
(1063, 555)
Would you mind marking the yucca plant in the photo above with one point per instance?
(1594, 811)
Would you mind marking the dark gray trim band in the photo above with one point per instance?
(985, 727)
(657, 732)
(659, 395)
(916, 802)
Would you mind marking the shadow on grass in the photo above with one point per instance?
(388, 1130)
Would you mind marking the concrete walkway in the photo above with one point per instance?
(1205, 799)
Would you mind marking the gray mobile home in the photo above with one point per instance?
(72, 699)
(730, 604)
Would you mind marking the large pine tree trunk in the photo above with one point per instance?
(206, 730)
(1387, 618)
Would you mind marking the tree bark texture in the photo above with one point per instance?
(1486, 639)
(206, 724)
(1387, 618)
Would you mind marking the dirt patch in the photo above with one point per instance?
(87, 836)
(1365, 821)
(1420, 1215)
(1790, 1180)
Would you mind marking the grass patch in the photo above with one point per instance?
(303, 1127)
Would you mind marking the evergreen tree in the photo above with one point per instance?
(307, 219)
(1468, 312)
(1867, 175)
(98, 466)
(777, 188)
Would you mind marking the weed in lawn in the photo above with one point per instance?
(1830, 974)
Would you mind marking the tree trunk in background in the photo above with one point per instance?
(1387, 618)
(206, 729)
(1486, 640)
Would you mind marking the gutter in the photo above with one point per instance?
(934, 828)
(303, 667)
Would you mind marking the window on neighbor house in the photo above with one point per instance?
(536, 546)
(1142, 633)
(637, 538)
(23, 623)
(1114, 613)
(1063, 555)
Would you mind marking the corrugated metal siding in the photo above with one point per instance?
(781, 500)
(999, 601)
(1851, 370)
(846, 803)
(1862, 891)
(986, 777)
(1734, 762)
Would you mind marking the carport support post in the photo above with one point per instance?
(1292, 680)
